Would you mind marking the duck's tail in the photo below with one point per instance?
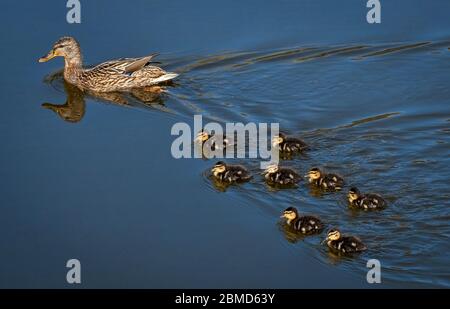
(163, 78)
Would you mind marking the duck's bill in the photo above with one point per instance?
(48, 57)
(323, 241)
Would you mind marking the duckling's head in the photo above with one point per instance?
(219, 168)
(353, 194)
(333, 234)
(202, 136)
(271, 169)
(290, 214)
(66, 47)
(278, 139)
(314, 173)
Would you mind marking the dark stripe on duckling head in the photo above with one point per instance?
(354, 190)
(289, 209)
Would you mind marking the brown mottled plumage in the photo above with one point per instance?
(116, 75)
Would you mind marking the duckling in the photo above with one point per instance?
(368, 201)
(230, 173)
(325, 181)
(302, 224)
(284, 176)
(289, 144)
(212, 141)
(344, 244)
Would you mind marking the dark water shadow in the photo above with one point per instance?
(293, 236)
(289, 233)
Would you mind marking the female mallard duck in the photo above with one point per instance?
(230, 173)
(344, 244)
(283, 176)
(325, 181)
(116, 75)
(212, 141)
(302, 224)
(289, 145)
(368, 201)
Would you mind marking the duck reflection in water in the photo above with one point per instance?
(289, 233)
(75, 107)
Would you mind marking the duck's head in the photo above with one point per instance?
(278, 139)
(271, 169)
(202, 136)
(66, 47)
(353, 194)
(219, 168)
(290, 214)
(333, 234)
(314, 173)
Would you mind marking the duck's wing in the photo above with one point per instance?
(334, 178)
(374, 200)
(123, 66)
(288, 173)
(138, 64)
(313, 221)
(354, 243)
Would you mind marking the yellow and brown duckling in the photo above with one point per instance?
(303, 224)
(368, 201)
(230, 173)
(115, 75)
(289, 145)
(212, 141)
(325, 181)
(344, 244)
(284, 176)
